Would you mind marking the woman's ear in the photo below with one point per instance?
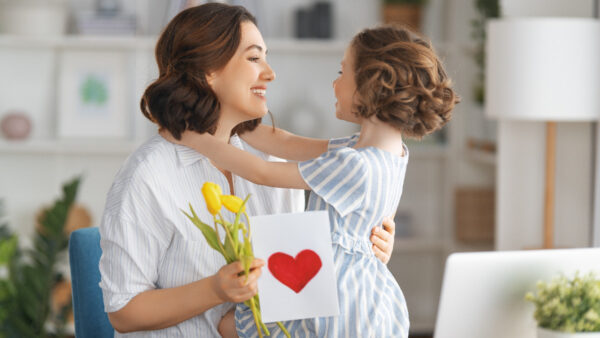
(211, 78)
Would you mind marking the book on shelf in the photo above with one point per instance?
(95, 23)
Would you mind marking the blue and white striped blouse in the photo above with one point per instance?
(359, 187)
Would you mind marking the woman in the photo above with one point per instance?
(159, 276)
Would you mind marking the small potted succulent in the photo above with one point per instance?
(568, 307)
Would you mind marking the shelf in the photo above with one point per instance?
(418, 245)
(148, 42)
(79, 41)
(64, 147)
(482, 157)
(306, 46)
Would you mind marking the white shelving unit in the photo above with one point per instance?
(482, 157)
(61, 147)
(303, 46)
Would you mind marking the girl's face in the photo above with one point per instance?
(242, 84)
(345, 89)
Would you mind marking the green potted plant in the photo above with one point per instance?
(486, 9)
(29, 276)
(406, 12)
(567, 307)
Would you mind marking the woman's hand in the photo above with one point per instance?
(383, 240)
(232, 287)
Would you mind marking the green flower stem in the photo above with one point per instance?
(264, 327)
(256, 319)
(227, 233)
(219, 238)
(285, 331)
(248, 221)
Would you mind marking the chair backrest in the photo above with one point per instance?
(88, 306)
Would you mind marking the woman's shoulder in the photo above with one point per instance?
(149, 156)
(145, 166)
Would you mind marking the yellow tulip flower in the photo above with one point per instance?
(232, 203)
(212, 195)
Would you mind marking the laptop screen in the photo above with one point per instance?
(483, 293)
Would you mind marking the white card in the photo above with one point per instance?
(303, 236)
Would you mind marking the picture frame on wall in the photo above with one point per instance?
(92, 95)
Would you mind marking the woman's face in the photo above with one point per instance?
(345, 89)
(241, 85)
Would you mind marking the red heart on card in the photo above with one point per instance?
(295, 273)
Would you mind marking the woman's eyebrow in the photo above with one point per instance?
(260, 48)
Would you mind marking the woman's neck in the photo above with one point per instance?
(378, 134)
(223, 134)
(225, 126)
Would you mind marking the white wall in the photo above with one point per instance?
(596, 230)
(521, 146)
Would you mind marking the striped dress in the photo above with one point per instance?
(359, 187)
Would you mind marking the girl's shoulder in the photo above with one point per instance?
(346, 141)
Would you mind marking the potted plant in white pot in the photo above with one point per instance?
(406, 12)
(568, 307)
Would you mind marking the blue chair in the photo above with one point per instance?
(88, 307)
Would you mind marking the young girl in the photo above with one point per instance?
(394, 86)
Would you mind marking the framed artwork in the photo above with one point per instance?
(92, 95)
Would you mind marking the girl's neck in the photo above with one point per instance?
(378, 134)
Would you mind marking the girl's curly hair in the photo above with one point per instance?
(400, 79)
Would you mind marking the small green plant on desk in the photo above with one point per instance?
(568, 304)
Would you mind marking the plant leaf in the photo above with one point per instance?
(209, 234)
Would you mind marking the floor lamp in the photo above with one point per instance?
(544, 69)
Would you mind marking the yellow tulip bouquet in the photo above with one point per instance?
(234, 248)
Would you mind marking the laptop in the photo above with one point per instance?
(483, 293)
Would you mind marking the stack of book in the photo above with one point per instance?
(91, 22)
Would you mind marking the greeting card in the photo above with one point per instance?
(299, 279)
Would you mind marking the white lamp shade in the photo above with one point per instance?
(543, 69)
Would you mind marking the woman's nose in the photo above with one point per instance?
(268, 74)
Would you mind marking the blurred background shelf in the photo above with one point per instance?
(480, 156)
(417, 245)
(68, 147)
(279, 45)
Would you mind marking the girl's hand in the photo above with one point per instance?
(230, 286)
(383, 240)
(227, 325)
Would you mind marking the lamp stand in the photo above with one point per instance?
(549, 185)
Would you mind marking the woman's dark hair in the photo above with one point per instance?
(400, 79)
(198, 41)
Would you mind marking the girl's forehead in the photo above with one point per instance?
(348, 54)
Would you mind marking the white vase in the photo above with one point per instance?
(33, 17)
(544, 333)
